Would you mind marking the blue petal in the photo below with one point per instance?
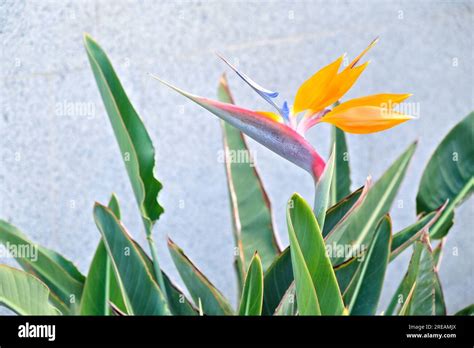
(263, 92)
(285, 112)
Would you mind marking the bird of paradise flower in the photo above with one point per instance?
(317, 100)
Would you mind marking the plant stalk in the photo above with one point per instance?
(156, 264)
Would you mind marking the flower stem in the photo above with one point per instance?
(156, 264)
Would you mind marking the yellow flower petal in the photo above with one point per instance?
(384, 100)
(356, 60)
(313, 90)
(365, 119)
(271, 115)
(344, 81)
(341, 84)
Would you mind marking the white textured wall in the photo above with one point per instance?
(54, 165)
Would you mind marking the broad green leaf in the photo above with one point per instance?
(363, 293)
(308, 303)
(58, 273)
(23, 293)
(250, 206)
(341, 183)
(141, 292)
(288, 305)
(307, 242)
(358, 229)
(321, 191)
(101, 286)
(134, 142)
(252, 296)
(279, 275)
(427, 297)
(199, 287)
(469, 310)
(277, 279)
(449, 174)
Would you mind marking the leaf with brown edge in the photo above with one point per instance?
(199, 287)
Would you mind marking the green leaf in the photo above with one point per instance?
(406, 305)
(252, 296)
(288, 305)
(469, 310)
(321, 190)
(448, 175)
(101, 286)
(277, 279)
(363, 293)
(141, 292)
(346, 272)
(358, 229)
(408, 235)
(309, 257)
(23, 293)
(177, 301)
(341, 183)
(427, 297)
(400, 241)
(308, 303)
(438, 253)
(200, 288)
(339, 212)
(423, 302)
(135, 144)
(250, 206)
(58, 273)
(114, 205)
(279, 275)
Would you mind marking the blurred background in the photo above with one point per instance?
(59, 155)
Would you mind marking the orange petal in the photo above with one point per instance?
(271, 115)
(384, 100)
(341, 84)
(356, 60)
(313, 90)
(365, 119)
